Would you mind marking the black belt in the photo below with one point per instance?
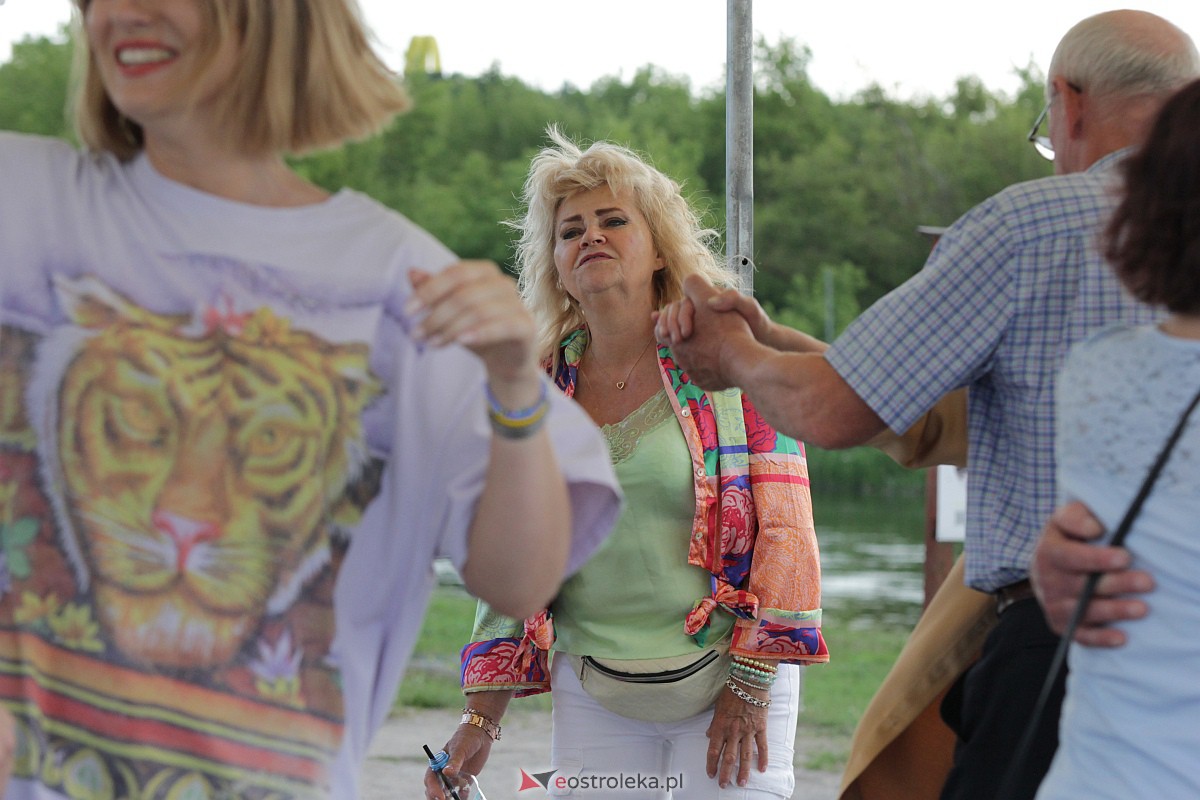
(1006, 596)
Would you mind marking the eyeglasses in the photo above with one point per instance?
(1043, 144)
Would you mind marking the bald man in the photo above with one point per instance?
(1008, 289)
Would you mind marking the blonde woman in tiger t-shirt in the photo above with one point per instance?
(241, 415)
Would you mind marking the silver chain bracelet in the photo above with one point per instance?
(744, 695)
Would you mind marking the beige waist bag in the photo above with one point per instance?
(655, 689)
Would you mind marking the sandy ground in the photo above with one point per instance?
(396, 762)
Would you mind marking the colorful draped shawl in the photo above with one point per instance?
(752, 530)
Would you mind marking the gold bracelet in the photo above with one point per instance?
(482, 721)
(488, 717)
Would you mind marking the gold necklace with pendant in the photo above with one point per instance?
(621, 384)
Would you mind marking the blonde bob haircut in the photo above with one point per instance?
(307, 79)
(562, 170)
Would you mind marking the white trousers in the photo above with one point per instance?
(600, 755)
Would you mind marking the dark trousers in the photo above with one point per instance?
(990, 706)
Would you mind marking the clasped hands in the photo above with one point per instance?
(711, 344)
(708, 330)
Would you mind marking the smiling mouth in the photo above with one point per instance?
(141, 56)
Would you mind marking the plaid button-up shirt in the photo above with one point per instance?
(1008, 289)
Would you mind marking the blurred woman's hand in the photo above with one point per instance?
(474, 304)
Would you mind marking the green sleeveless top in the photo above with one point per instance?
(630, 599)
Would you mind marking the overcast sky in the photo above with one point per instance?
(916, 48)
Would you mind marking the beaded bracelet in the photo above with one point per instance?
(747, 682)
(750, 662)
(753, 673)
(753, 670)
(482, 721)
(755, 667)
(755, 681)
(520, 423)
(744, 695)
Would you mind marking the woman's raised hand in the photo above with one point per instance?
(474, 304)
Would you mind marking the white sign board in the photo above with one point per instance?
(951, 504)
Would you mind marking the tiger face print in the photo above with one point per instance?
(199, 470)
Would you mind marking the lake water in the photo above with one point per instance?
(872, 558)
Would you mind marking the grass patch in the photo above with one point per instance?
(431, 680)
(826, 760)
(837, 693)
(432, 677)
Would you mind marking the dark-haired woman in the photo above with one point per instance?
(1129, 722)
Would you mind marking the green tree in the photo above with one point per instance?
(33, 87)
(823, 304)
